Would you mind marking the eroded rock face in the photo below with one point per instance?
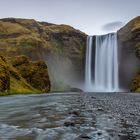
(35, 72)
(20, 75)
(61, 46)
(129, 40)
(4, 76)
(136, 83)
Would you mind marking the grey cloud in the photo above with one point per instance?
(112, 26)
(87, 15)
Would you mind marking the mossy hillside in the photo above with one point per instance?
(35, 38)
(10, 80)
(137, 49)
(4, 75)
(129, 34)
(13, 82)
(20, 40)
(136, 83)
(130, 39)
(45, 41)
(41, 36)
(35, 73)
(10, 29)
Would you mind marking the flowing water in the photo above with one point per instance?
(101, 71)
(88, 70)
(63, 116)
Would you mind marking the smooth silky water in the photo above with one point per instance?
(63, 116)
(101, 69)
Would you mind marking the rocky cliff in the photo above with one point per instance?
(20, 75)
(129, 38)
(61, 47)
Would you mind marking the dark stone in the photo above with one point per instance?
(69, 123)
(84, 136)
(76, 90)
(100, 109)
(99, 133)
(75, 113)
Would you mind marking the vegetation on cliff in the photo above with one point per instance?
(4, 75)
(130, 38)
(136, 83)
(19, 75)
(61, 47)
(35, 73)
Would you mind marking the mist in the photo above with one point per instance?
(113, 26)
(63, 74)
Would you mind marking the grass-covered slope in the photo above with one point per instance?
(61, 47)
(4, 75)
(129, 35)
(19, 75)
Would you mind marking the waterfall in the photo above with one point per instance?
(88, 70)
(101, 70)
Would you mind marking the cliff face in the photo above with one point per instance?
(19, 75)
(61, 47)
(4, 76)
(34, 72)
(129, 37)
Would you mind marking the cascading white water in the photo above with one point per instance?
(88, 70)
(103, 76)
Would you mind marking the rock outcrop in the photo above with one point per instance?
(61, 47)
(35, 73)
(129, 37)
(20, 75)
(4, 75)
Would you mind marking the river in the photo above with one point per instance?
(70, 116)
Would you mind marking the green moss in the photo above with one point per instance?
(4, 75)
(35, 73)
(24, 77)
(7, 28)
(135, 87)
(137, 49)
(138, 90)
(21, 87)
(38, 40)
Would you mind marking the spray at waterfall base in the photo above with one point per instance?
(101, 68)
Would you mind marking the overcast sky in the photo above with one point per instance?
(90, 16)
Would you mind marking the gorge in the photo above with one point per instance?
(40, 57)
(61, 54)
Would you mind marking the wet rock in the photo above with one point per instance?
(122, 135)
(84, 136)
(93, 97)
(100, 109)
(75, 112)
(76, 90)
(132, 114)
(99, 133)
(69, 123)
